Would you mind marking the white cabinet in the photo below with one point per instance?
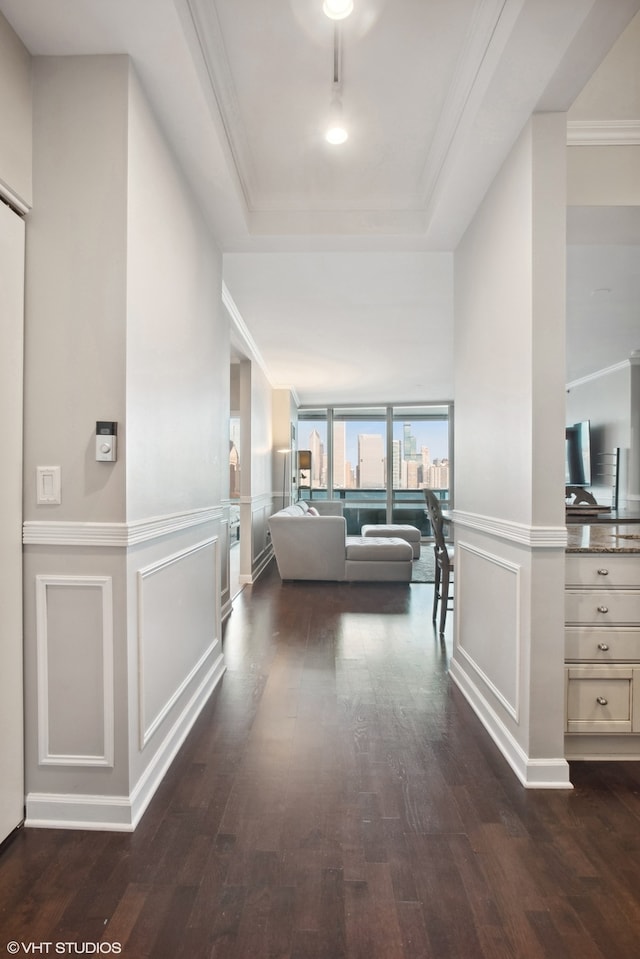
(602, 644)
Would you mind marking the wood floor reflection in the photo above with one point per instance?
(338, 798)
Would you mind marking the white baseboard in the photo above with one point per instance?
(551, 773)
(122, 813)
(261, 564)
(226, 610)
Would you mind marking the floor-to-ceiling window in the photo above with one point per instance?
(312, 436)
(379, 460)
(359, 464)
(421, 458)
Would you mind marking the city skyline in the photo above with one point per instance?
(433, 434)
(419, 453)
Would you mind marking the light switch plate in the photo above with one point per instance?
(48, 486)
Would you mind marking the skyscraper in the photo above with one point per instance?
(409, 442)
(371, 461)
(397, 464)
(339, 454)
(317, 458)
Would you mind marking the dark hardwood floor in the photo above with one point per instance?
(337, 798)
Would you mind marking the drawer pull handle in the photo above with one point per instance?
(603, 646)
(603, 572)
(602, 701)
(603, 609)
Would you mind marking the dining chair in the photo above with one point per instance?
(444, 560)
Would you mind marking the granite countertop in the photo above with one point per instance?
(603, 538)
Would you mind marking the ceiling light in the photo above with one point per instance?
(336, 135)
(336, 131)
(337, 9)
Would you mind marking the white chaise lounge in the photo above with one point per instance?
(314, 546)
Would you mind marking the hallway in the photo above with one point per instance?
(337, 798)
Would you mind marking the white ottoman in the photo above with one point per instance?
(378, 559)
(411, 534)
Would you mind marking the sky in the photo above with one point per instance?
(431, 433)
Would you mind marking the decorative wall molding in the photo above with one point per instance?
(259, 565)
(13, 200)
(261, 500)
(512, 708)
(122, 535)
(148, 725)
(203, 29)
(122, 813)
(226, 608)
(545, 773)
(242, 331)
(603, 133)
(491, 23)
(616, 368)
(535, 537)
(104, 585)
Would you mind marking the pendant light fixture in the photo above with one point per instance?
(336, 131)
(337, 9)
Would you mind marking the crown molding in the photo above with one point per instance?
(248, 344)
(12, 199)
(204, 34)
(474, 69)
(598, 373)
(603, 133)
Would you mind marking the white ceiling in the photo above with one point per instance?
(339, 259)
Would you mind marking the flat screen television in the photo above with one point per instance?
(578, 454)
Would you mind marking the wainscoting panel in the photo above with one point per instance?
(177, 628)
(74, 645)
(507, 656)
(255, 513)
(488, 588)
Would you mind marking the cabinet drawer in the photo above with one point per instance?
(599, 699)
(609, 645)
(602, 569)
(601, 607)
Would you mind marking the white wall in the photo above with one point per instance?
(15, 112)
(123, 578)
(605, 400)
(15, 186)
(177, 357)
(74, 375)
(177, 427)
(608, 172)
(604, 175)
(11, 370)
(76, 271)
(509, 448)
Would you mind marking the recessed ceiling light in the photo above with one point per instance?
(337, 9)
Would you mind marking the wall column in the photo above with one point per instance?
(509, 517)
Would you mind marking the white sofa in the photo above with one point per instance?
(316, 547)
